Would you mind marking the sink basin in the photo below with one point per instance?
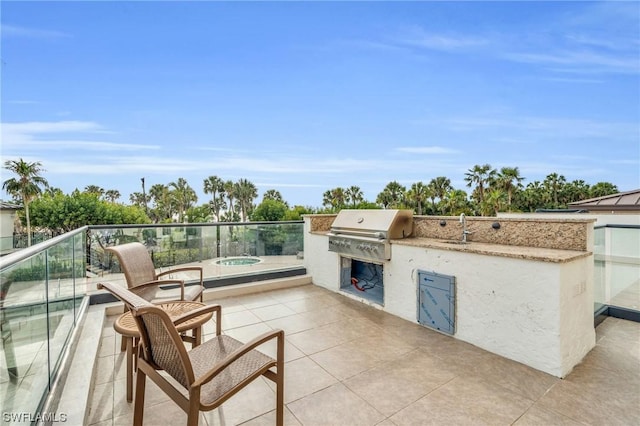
(457, 242)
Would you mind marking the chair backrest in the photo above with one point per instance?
(162, 346)
(135, 262)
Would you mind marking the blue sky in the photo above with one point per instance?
(304, 97)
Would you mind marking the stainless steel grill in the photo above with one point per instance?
(365, 234)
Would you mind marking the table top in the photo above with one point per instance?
(126, 325)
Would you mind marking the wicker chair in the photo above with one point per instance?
(142, 278)
(206, 375)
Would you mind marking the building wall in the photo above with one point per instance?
(7, 218)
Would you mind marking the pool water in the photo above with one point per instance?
(239, 261)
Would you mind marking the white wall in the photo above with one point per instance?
(7, 218)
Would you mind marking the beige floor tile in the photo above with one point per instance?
(345, 360)
(253, 401)
(101, 403)
(394, 385)
(415, 335)
(304, 377)
(310, 304)
(383, 346)
(267, 313)
(159, 414)
(108, 346)
(293, 324)
(596, 396)
(246, 333)
(536, 416)
(464, 357)
(465, 401)
(619, 358)
(391, 367)
(238, 319)
(257, 300)
(346, 408)
(153, 395)
(269, 419)
(316, 340)
(519, 378)
(326, 316)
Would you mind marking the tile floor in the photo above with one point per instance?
(351, 364)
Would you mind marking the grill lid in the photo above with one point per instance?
(381, 224)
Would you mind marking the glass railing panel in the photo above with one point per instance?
(623, 260)
(223, 249)
(39, 309)
(62, 270)
(24, 365)
(599, 279)
(617, 266)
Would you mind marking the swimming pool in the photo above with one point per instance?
(238, 261)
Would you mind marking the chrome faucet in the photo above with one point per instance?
(463, 221)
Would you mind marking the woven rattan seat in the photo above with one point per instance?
(142, 278)
(210, 373)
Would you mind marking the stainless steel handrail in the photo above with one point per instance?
(13, 258)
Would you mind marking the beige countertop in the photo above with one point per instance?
(517, 252)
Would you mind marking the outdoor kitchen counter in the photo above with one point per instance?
(517, 252)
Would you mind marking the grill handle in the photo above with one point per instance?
(379, 235)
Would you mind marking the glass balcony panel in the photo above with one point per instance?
(24, 368)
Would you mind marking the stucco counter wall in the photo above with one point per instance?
(536, 312)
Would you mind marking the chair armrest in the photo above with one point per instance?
(130, 298)
(158, 283)
(201, 311)
(183, 269)
(233, 356)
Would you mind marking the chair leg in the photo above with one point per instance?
(194, 412)
(138, 406)
(280, 382)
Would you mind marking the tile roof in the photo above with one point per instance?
(9, 206)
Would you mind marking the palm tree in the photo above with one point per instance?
(393, 195)
(553, 184)
(163, 203)
(230, 190)
(418, 193)
(137, 199)
(246, 192)
(26, 187)
(94, 189)
(440, 186)
(601, 189)
(493, 202)
(354, 194)
(509, 179)
(275, 195)
(334, 198)
(215, 186)
(184, 197)
(455, 202)
(480, 176)
(112, 195)
(576, 190)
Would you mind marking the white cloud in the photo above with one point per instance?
(30, 127)
(583, 62)
(418, 37)
(18, 31)
(59, 135)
